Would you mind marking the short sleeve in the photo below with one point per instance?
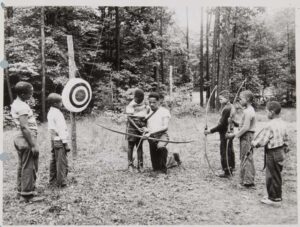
(19, 109)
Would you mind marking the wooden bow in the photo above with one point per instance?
(205, 138)
(139, 136)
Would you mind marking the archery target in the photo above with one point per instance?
(76, 95)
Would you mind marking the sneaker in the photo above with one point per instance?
(271, 202)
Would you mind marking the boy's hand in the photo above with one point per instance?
(144, 129)
(67, 148)
(206, 132)
(146, 136)
(35, 151)
(253, 145)
(229, 135)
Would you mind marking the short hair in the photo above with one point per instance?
(53, 98)
(225, 94)
(249, 95)
(154, 95)
(274, 106)
(139, 93)
(23, 87)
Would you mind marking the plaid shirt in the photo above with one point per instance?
(273, 135)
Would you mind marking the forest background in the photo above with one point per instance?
(121, 48)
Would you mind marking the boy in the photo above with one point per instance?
(157, 127)
(245, 134)
(137, 110)
(59, 141)
(222, 129)
(274, 138)
(25, 142)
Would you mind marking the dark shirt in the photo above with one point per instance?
(223, 122)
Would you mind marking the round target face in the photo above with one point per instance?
(76, 95)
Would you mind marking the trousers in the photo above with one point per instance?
(58, 164)
(231, 161)
(274, 165)
(247, 172)
(27, 167)
(159, 152)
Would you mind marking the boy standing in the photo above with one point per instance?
(274, 138)
(59, 141)
(137, 110)
(245, 134)
(222, 129)
(25, 142)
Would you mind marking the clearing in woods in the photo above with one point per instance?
(100, 191)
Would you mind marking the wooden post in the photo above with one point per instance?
(72, 70)
(171, 81)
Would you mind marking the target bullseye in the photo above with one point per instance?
(76, 95)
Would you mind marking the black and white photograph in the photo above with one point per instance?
(149, 115)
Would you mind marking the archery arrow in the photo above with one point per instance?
(138, 136)
(205, 138)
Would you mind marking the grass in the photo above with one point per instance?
(101, 191)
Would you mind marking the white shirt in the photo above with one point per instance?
(57, 124)
(155, 122)
(19, 108)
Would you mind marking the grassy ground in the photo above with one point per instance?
(100, 191)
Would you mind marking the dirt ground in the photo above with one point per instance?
(101, 191)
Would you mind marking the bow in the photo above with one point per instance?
(138, 136)
(205, 150)
(230, 126)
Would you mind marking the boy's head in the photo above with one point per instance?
(24, 90)
(246, 97)
(54, 100)
(224, 96)
(154, 99)
(138, 96)
(273, 109)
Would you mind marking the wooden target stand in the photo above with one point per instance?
(76, 95)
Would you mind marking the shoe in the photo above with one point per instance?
(224, 175)
(270, 202)
(131, 169)
(252, 185)
(141, 169)
(177, 158)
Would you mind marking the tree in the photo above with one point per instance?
(201, 60)
(214, 74)
(43, 64)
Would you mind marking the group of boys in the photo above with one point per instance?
(147, 122)
(273, 137)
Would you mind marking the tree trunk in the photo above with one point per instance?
(201, 59)
(161, 45)
(207, 51)
(9, 14)
(43, 65)
(226, 53)
(214, 73)
(117, 62)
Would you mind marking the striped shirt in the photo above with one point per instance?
(273, 135)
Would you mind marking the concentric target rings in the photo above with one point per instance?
(76, 95)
